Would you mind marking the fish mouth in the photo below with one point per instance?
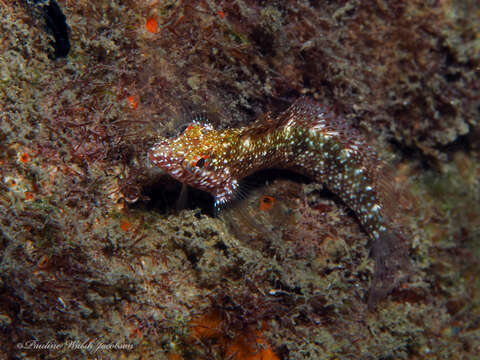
(176, 166)
(161, 154)
(163, 158)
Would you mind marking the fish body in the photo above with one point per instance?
(307, 139)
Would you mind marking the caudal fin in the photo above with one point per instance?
(392, 265)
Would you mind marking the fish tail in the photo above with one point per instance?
(392, 265)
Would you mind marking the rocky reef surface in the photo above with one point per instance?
(101, 256)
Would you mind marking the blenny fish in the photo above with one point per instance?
(308, 139)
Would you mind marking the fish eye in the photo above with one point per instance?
(200, 163)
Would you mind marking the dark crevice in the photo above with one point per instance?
(56, 24)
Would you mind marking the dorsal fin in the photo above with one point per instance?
(263, 124)
(200, 118)
(308, 113)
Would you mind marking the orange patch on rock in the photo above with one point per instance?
(206, 326)
(133, 103)
(266, 202)
(29, 196)
(24, 158)
(152, 25)
(250, 348)
(245, 346)
(125, 225)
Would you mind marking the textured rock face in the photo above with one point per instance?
(84, 254)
